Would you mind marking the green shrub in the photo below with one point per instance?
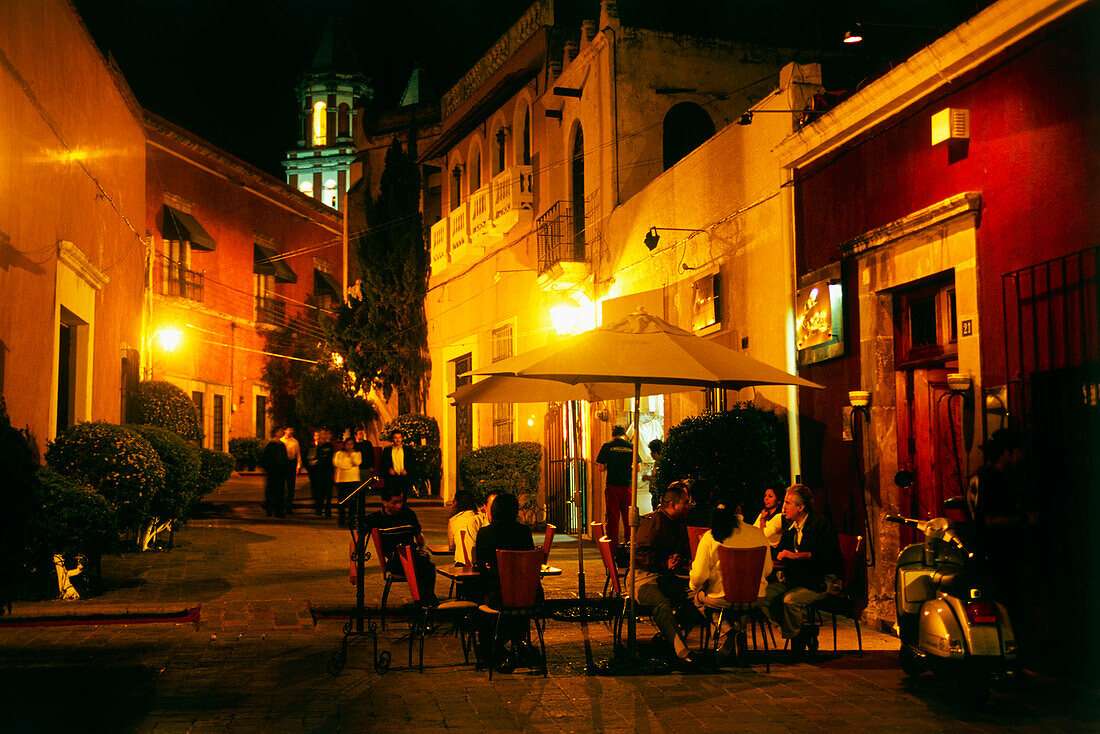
(18, 509)
(75, 519)
(246, 452)
(326, 398)
(215, 468)
(164, 405)
(114, 461)
(181, 473)
(510, 467)
(740, 452)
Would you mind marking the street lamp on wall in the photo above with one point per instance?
(860, 400)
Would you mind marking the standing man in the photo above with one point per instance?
(812, 564)
(274, 463)
(617, 457)
(293, 465)
(366, 448)
(396, 462)
(663, 559)
(323, 475)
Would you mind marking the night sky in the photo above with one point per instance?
(226, 69)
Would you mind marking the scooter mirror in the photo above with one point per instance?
(904, 479)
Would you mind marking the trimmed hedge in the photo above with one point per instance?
(215, 468)
(114, 461)
(75, 519)
(740, 452)
(246, 452)
(510, 467)
(181, 464)
(164, 405)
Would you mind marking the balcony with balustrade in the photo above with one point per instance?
(458, 230)
(183, 283)
(513, 198)
(482, 230)
(440, 257)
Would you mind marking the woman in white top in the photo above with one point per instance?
(770, 519)
(466, 518)
(728, 529)
(346, 462)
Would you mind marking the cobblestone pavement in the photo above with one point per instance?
(256, 660)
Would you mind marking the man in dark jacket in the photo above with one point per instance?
(812, 564)
(321, 476)
(274, 463)
(662, 561)
(397, 463)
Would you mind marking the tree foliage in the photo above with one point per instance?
(381, 332)
(298, 338)
(326, 398)
(181, 461)
(740, 452)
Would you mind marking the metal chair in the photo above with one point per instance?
(424, 614)
(387, 575)
(741, 570)
(547, 541)
(845, 604)
(519, 594)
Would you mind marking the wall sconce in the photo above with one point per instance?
(959, 382)
(860, 400)
(855, 35)
(652, 238)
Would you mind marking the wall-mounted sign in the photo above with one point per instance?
(706, 298)
(814, 316)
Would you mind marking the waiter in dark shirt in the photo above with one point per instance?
(617, 457)
(394, 515)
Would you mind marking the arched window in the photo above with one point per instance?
(475, 171)
(686, 126)
(329, 196)
(577, 185)
(320, 124)
(306, 187)
(525, 138)
(498, 150)
(344, 124)
(456, 185)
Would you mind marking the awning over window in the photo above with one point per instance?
(183, 227)
(325, 283)
(264, 262)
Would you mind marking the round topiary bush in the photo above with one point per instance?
(114, 461)
(164, 405)
(510, 467)
(215, 469)
(76, 523)
(181, 473)
(246, 451)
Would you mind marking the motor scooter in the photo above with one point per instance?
(946, 619)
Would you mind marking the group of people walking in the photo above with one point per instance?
(329, 465)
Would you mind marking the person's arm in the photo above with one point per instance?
(452, 531)
(646, 557)
(356, 458)
(701, 566)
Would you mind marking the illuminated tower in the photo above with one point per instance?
(329, 94)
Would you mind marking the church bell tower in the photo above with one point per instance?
(329, 94)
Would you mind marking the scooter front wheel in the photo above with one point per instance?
(910, 662)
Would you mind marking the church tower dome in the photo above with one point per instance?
(329, 94)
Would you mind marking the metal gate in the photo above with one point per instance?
(566, 473)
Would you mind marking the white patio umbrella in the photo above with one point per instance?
(641, 350)
(507, 389)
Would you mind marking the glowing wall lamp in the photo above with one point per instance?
(565, 317)
(860, 400)
(169, 338)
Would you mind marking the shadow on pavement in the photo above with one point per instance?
(76, 698)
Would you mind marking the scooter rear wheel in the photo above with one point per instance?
(910, 662)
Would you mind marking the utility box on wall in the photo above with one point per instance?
(950, 124)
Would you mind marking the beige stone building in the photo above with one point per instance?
(560, 150)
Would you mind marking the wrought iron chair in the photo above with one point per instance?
(519, 594)
(741, 569)
(424, 614)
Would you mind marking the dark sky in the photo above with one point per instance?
(226, 69)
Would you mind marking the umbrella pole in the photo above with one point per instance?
(631, 632)
(578, 505)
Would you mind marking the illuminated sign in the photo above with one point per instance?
(814, 323)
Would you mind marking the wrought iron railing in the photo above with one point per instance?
(559, 237)
(270, 311)
(184, 283)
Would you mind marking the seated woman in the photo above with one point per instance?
(770, 519)
(504, 532)
(466, 518)
(729, 529)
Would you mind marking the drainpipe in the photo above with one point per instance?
(786, 204)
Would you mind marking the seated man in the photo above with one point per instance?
(504, 532)
(809, 553)
(395, 515)
(661, 560)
